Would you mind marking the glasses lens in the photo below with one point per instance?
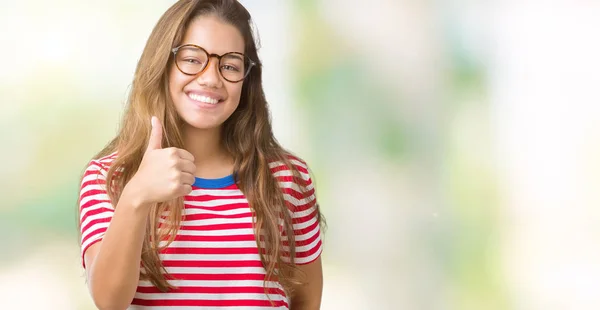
(191, 60)
(234, 67)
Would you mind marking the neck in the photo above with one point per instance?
(210, 157)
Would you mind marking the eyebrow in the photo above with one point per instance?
(234, 55)
(196, 45)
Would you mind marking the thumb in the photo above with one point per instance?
(155, 141)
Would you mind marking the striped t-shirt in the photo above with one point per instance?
(214, 258)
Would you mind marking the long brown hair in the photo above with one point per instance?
(247, 135)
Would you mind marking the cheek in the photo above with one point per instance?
(235, 92)
(172, 82)
(176, 80)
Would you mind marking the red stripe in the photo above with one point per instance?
(215, 290)
(302, 207)
(309, 252)
(209, 216)
(289, 178)
(94, 222)
(283, 167)
(89, 171)
(215, 238)
(304, 242)
(307, 229)
(92, 192)
(91, 203)
(96, 164)
(211, 197)
(96, 211)
(306, 218)
(217, 276)
(214, 251)
(93, 234)
(300, 168)
(210, 263)
(217, 226)
(305, 206)
(221, 207)
(298, 195)
(100, 182)
(209, 303)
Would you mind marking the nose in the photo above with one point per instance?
(210, 76)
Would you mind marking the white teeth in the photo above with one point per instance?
(203, 99)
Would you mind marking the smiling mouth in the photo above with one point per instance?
(204, 99)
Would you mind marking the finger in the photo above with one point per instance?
(185, 155)
(187, 178)
(186, 166)
(186, 189)
(155, 141)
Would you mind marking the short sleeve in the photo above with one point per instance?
(95, 208)
(302, 203)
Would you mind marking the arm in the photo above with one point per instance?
(112, 238)
(307, 230)
(114, 262)
(308, 295)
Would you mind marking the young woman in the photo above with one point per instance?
(194, 204)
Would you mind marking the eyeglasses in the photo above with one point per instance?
(192, 59)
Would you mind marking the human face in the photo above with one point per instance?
(206, 100)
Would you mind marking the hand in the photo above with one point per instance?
(164, 174)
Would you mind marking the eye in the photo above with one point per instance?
(230, 68)
(192, 61)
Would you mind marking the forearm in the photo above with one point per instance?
(114, 274)
(302, 304)
(306, 298)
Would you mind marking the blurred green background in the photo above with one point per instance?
(455, 144)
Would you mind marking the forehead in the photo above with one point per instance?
(214, 35)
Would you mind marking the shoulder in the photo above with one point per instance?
(100, 165)
(295, 166)
(296, 163)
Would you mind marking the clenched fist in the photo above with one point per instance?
(164, 174)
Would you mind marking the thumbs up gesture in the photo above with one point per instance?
(155, 142)
(164, 174)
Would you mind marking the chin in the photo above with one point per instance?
(203, 123)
